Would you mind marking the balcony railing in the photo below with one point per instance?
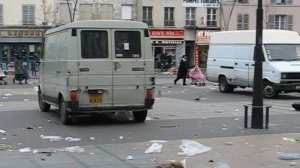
(190, 23)
(169, 22)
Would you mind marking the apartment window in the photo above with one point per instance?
(85, 12)
(282, 1)
(242, 1)
(147, 15)
(211, 20)
(126, 12)
(190, 18)
(28, 14)
(242, 22)
(1, 14)
(281, 22)
(169, 16)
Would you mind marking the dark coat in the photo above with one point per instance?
(183, 69)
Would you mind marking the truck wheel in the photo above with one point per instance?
(45, 107)
(139, 116)
(269, 91)
(64, 114)
(224, 87)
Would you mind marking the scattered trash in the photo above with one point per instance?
(129, 158)
(158, 141)
(236, 119)
(221, 165)
(70, 139)
(51, 138)
(49, 121)
(156, 118)
(148, 118)
(211, 161)
(29, 128)
(74, 149)
(224, 129)
(288, 156)
(229, 143)
(92, 153)
(8, 95)
(121, 137)
(291, 140)
(191, 148)
(36, 88)
(169, 126)
(43, 159)
(26, 99)
(293, 163)
(173, 164)
(2, 132)
(197, 98)
(237, 110)
(92, 138)
(218, 111)
(35, 151)
(154, 148)
(4, 147)
(3, 138)
(39, 127)
(25, 150)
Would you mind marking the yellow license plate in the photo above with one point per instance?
(95, 98)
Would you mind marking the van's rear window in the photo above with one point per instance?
(94, 44)
(128, 44)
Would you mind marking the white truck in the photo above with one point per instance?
(231, 61)
(97, 66)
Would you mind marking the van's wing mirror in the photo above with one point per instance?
(74, 32)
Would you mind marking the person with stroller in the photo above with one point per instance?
(197, 76)
(182, 70)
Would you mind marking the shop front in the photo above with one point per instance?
(167, 47)
(26, 43)
(202, 47)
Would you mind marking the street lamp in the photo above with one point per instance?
(257, 103)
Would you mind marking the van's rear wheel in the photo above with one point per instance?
(64, 114)
(45, 107)
(224, 87)
(269, 91)
(139, 116)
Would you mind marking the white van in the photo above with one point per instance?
(231, 63)
(97, 66)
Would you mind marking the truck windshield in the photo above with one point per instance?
(283, 52)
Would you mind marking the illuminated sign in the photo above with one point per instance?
(201, 3)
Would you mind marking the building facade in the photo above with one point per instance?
(22, 24)
(175, 27)
(278, 14)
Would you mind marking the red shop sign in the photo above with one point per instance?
(170, 33)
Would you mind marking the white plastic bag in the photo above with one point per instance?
(191, 148)
(221, 165)
(154, 148)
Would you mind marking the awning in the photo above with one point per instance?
(20, 40)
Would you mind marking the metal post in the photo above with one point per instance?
(267, 117)
(257, 103)
(246, 117)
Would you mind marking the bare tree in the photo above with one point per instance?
(72, 13)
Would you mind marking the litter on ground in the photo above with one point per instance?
(154, 148)
(191, 148)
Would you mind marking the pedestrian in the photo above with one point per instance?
(25, 74)
(163, 60)
(182, 70)
(18, 69)
(33, 68)
(169, 61)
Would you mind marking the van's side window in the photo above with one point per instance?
(94, 44)
(128, 44)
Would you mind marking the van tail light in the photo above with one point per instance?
(74, 95)
(149, 93)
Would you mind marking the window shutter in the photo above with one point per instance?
(246, 22)
(239, 22)
(271, 22)
(31, 15)
(290, 22)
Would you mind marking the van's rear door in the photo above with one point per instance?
(95, 68)
(129, 86)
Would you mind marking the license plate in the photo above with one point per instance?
(95, 98)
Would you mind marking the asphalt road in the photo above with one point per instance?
(24, 123)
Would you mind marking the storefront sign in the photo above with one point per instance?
(203, 37)
(166, 33)
(21, 33)
(196, 56)
(167, 42)
(201, 3)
